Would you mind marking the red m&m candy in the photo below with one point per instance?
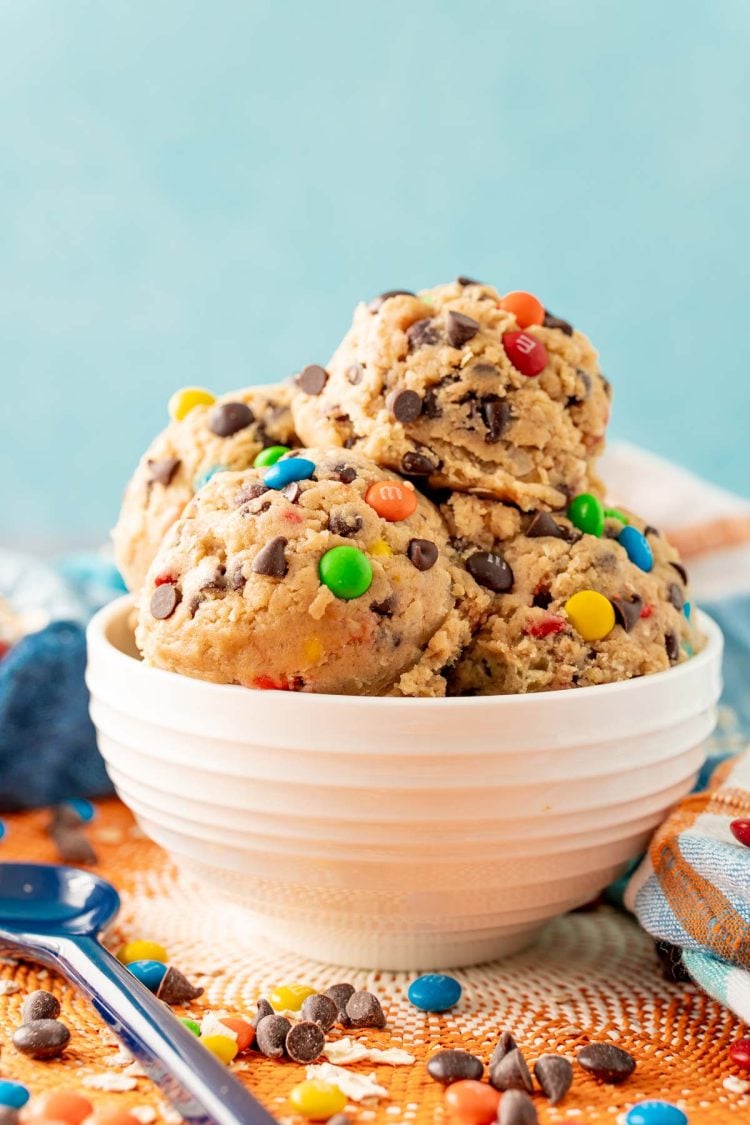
(527, 354)
(740, 829)
(739, 1052)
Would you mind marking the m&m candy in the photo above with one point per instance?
(591, 614)
(638, 548)
(289, 997)
(13, 1094)
(616, 514)
(739, 1053)
(269, 456)
(655, 1113)
(286, 472)
(527, 354)
(224, 1047)
(740, 829)
(142, 950)
(149, 972)
(525, 307)
(472, 1102)
(203, 478)
(434, 992)
(244, 1031)
(392, 499)
(586, 512)
(317, 1100)
(186, 399)
(193, 1026)
(346, 571)
(61, 1105)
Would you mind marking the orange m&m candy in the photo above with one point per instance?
(472, 1103)
(61, 1105)
(392, 499)
(244, 1031)
(112, 1117)
(525, 307)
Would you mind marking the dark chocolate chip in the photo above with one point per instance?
(65, 816)
(305, 1042)
(460, 329)
(485, 371)
(405, 406)
(496, 415)
(377, 303)
(341, 994)
(464, 281)
(195, 603)
(681, 571)
(176, 989)
(672, 645)
(351, 441)
(606, 384)
(237, 579)
(320, 1010)
(555, 1076)
(454, 1066)
(551, 321)
(511, 1073)
(422, 553)
(491, 571)
(542, 599)
(270, 1035)
(577, 399)
(312, 379)
(229, 418)
(417, 465)
(430, 405)
(386, 607)
(672, 966)
(42, 1039)
(627, 610)
(649, 530)
(73, 847)
(355, 374)
(271, 559)
(217, 581)
(542, 525)
(345, 525)
(344, 473)
(263, 1009)
(164, 601)
(251, 492)
(292, 491)
(675, 595)
(161, 472)
(505, 1044)
(40, 1005)
(517, 1108)
(10, 1116)
(606, 1062)
(364, 1010)
(421, 333)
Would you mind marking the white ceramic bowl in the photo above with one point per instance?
(398, 833)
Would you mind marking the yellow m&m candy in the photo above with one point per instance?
(186, 399)
(289, 997)
(142, 950)
(223, 1046)
(317, 1100)
(590, 614)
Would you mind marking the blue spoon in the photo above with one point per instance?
(54, 915)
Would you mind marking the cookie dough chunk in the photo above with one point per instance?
(454, 387)
(322, 573)
(227, 434)
(571, 608)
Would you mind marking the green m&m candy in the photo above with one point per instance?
(346, 572)
(586, 512)
(269, 456)
(616, 514)
(192, 1026)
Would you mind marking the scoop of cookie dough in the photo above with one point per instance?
(323, 574)
(228, 434)
(570, 609)
(449, 386)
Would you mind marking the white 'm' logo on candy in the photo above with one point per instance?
(525, 344)
(391, 492)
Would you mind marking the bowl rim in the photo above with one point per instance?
(99, 642)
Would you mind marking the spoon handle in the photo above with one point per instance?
(195, 1082)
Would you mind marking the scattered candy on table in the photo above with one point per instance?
(317, 1100)
(591, 614)
(192, 1025)
(289, 997)
(740, 829)
(434, 992)
(287, 472)
(472, 1103)
(142, 950)
(224, 1047)
(655, 1113)
(13, 1094)
(739, 1052)
(269, 456)
(148, 972)
(186, 399)
(61, 1105)
(346, 571)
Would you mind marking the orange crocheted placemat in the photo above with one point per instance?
(591, 976)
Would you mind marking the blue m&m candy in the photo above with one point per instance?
(434, 992)
(638, 547)
(13, 1094)
(84, 808)
(150, 973)
(2, 829)
(204, 478)
(287, 471)
(655, 1113)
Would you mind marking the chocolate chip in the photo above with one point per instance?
(320, 1010)
(343, 473)
(251, 492)
(551, 321)
(237, 579)
(464, 281)
(485, 371)
(496, 415)
(176, 989)
(312, 379)
(511, 1073)
(454, 1066)
(422, 333)
(271, 559)
(417, 465)
(460, 329)
(263, 1009)
(42, 1039)
(217, 581)
(627, 610)
(161, 472)
(341, 524)
(649, 530)
(405, 406)
(195, 603)
(164, 601)
(576, 400)
(73, 847)
(505, 1044)
(305, 1042)
(672, 645)
(364, 1010)
(10, 1116)
(675, 595)
(555, 1075)
(542, 525)
(422, 553)
(430, 405)
(517, 1108)
(606, 1062)
(384, 608)
(40, 1005)
(542, 599)
(270, 1035)
(355, 374)
(341, 994)
(292, 491)
(606, 384)
(491, 571)
(65, 816)
(681, 571)
(229, 418)
(377, 302)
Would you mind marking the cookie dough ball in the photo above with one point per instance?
(226, 434)
(466, 390)
(323, 573)
(571, 608)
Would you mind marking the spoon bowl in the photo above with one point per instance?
(55, 900)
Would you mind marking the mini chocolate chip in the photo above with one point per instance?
(305, 1042)
(606, 1062)
(377, 303)
(161, 472)
(511, 1072)
(73, 847)
(551, 321)
(675, 595)
(681, 571)
(195, 603)
(542, 525)
(422, 553)
(341, 994)
(464, 281)
(576, 400)
(343, 473)
(542, 599)
(672, 645)
(627, 610)
(405, 406)
(10, 1116)
(229, 418)
(422, 333)
(496, 415)
(292, 491)
(176, 989)
(606, 384)
(454, 1066)
(270, 1035)
(312, 379)
(355, 374)
(271, 559)
(460, 329)
(42, 1039)
(320, 1010)
(217, 581)
(351, 441)
(430, 406)
(517, 1108)
(417, 465)
(491, 571)
(263, 1009)
(364, 1010)
(40, 1005)
(65, 816)
(555, 1076)
(237, 579)
(485, 371)
(341, 524)
(384, 608)
(164, 601)
(649, 530)
(251, 492)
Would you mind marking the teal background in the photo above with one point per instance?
(199, 193)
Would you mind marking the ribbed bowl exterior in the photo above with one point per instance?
(393, 833)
